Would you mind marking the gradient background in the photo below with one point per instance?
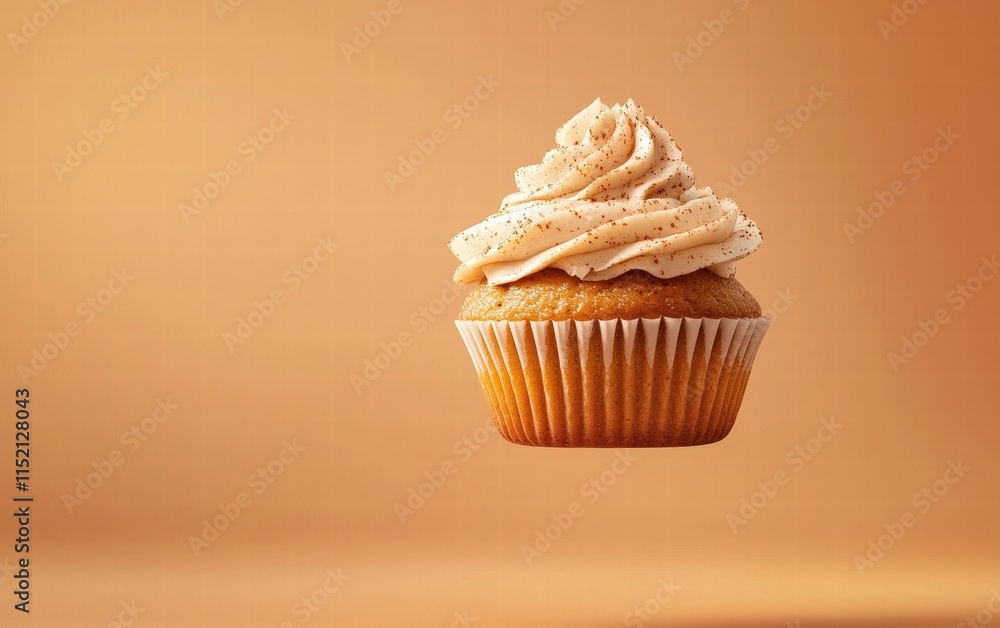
(839, 306)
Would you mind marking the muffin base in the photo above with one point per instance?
(647, 382)
(551, 294)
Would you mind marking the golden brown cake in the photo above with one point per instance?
(551, 294)
(606, 311)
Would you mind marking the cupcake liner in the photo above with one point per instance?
(648, 382)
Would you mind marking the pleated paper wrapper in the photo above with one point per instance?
(660, 382)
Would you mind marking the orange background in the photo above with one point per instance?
(323, 174)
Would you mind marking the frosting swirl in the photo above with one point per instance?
(614, 195)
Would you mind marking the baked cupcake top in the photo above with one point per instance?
(614, 195)
(552, 295)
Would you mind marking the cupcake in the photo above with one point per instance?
(607, 311)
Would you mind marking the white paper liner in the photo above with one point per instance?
(649, 382)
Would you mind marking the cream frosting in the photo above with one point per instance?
(614, 195)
